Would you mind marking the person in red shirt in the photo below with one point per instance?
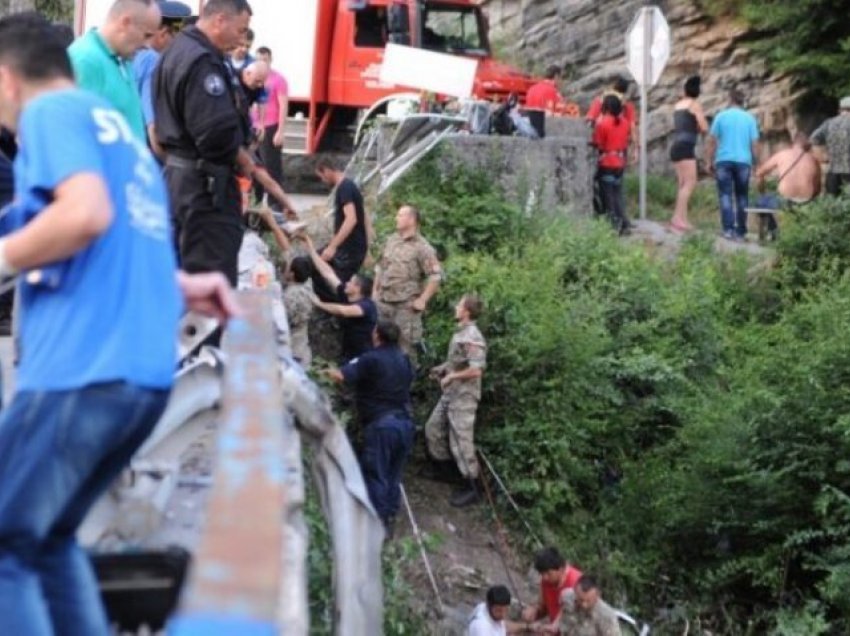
(544, 95)
(611, 137)
(556, 575)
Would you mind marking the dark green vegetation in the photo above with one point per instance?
(681, 428)
(808, 38)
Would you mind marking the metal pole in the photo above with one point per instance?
(421, 543)
(647, 72)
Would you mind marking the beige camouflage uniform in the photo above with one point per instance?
(450, 429)
(600, 621)
(406, 265)
(296, 299)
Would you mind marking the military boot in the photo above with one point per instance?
(468, 496)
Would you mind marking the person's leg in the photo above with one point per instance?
(725, 194)
(620, 204)
(437, 432)
(67, 579)
(50, 446)
(401, 451)
(461, 412)
(686, 176)
(607, 183)
(741, 175)
(375, 463)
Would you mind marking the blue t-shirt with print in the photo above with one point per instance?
(735, 130)
(109, 312)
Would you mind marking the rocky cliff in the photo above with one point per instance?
(587, 38)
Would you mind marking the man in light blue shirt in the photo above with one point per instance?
(88, 230)
(732, 149)
(101, 57)
(145, 61)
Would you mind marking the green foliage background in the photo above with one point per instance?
(680, 426)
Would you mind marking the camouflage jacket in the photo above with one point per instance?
(600, 621)
(405, 266)
(467, 349)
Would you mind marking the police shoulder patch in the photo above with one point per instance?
(214, 85)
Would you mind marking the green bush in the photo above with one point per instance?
(681, 428)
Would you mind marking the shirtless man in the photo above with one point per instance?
(799, 174)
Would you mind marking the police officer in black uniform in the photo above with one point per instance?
(199, 125)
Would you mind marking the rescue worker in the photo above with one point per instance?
(200, 128)
(544, 95)
(449, 431)
(611, 138)
(381, 378)
(407, 276)
(298, 300)
(584, 613)
(556, 576)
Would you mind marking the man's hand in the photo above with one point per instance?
(529, 613)
(210, 294)
(267, 216)
(277, 140)
(328, 253)
(260, 133)
(446, 380)
(418, 305)
(335, 375)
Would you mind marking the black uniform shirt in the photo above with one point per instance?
(195, 107)
(355, 246)
(381, 379)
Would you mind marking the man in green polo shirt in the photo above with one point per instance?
(102, 57)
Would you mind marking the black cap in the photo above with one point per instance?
(173, 10)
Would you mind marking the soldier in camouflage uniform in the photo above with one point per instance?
(297, 298)
(407, 277)
(584, 613)
(449, 431)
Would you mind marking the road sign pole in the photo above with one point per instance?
(644, 110)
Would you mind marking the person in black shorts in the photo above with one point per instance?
(688, 122)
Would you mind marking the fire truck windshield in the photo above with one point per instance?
(454, 29)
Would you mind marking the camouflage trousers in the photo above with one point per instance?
(449, 433)
(409, 323)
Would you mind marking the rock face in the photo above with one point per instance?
(587, 37)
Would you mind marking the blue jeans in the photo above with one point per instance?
(59, 451)
(733, 189)
(386, 446)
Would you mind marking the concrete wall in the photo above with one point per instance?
(554, 173)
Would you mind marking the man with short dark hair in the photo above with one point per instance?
(102, 57)
(556, 575)
(349, 245)
(381, 379)
(488, 618)
(89, 222)
(407, 276)
(834, 135)
(240, 56)
(353, 304)
(544, 95)
(584, 613)
(272, 120)
(297, 298)
(200, 128)
(450, 430)
(731, 150)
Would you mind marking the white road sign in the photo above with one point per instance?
(648, 46)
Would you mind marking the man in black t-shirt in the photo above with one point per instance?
(347, 250)
(351, 301)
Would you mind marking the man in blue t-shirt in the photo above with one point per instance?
(381, 379)
(88, 231)
(731, 151)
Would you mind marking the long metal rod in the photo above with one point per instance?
(647, 71)
(510, 498)
(418, 536)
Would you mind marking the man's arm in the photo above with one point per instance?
(209, 293)
(766, 168)
(273, 188)
(279, 237)
(470, 373)
(81, 211)
(283, 104)
(325, 270)
(430, 266)
(338, 309)
(755, 148)
(347, 227)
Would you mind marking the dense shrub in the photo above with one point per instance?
(681, 426)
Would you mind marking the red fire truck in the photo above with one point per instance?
(330, 52)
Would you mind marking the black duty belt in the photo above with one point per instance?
(201, 165)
